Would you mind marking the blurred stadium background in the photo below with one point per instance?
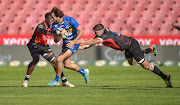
(147, 20)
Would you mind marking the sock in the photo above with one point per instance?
(27, 77)
(146, 51)
(81, 71)
(155, 70)
(63, 79)
(57, 78)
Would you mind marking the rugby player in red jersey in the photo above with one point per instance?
(38, 46)
(133, 52)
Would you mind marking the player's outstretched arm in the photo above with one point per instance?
(90, 42)
(82, 47)
(175, 25)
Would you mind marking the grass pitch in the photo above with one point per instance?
(107, 86)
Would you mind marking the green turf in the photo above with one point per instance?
(107, 86)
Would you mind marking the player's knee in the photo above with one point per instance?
(59, 59)
(50, 58)
(130, 61)
(35, 59)
(67, 66)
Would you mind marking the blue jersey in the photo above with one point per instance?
(70, 24)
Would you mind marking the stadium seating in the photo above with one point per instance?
(152, 29)
(140, 29)
(13, 29)
(165, 30)
(130, 14)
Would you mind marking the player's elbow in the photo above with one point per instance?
(81, 31)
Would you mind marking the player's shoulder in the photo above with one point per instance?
(112, 32)
(68, 18)
(41, 25)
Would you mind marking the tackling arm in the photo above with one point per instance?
(90, 42)
(81, 47)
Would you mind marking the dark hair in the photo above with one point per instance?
(47, 14)
(98, 27)
(57, 12)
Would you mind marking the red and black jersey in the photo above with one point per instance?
(38, 37)
(115, 40)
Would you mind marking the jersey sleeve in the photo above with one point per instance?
(73, 22)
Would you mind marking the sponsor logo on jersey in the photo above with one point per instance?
(67, 27)
(70, 30)
(45, 37)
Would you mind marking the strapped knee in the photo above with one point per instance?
(141, 61)
(50, 58)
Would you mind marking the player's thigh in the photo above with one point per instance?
(33, 49)
(129, 57)
(67, 62)
(64, 55)
(137, 53)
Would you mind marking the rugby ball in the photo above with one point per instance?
(58, 31)
(64, 36)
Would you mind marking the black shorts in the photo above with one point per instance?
(38, 49)
(134, 51)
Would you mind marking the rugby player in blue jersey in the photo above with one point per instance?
(133, 52)
(73, 31)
